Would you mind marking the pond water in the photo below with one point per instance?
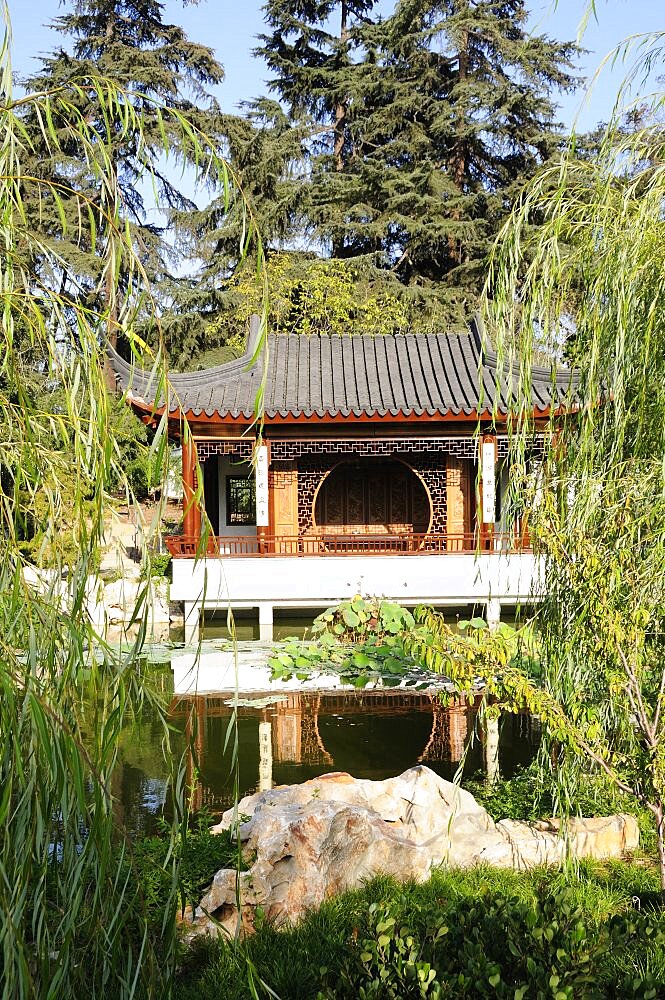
(290, 737)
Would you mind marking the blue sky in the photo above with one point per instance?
(231, 28)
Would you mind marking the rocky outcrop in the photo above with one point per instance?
(311, 841)
(123, 600)
(115, 608)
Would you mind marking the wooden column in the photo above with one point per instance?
(192, 512)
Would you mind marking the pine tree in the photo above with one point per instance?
(316, 54)
(264, 150)
(127, 42)
(423, 127)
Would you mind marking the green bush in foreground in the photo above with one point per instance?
(201, 854)
(494, 945)
(478, 933)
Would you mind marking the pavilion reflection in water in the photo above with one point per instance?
(372, 734)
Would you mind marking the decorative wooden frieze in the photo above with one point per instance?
(432, 471)
(241, 451)
(311, 472)
(459, 447)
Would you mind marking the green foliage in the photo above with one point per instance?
(124, 44)
(409, 135)
(309, 295)
(592, 273)
(360, 640)
(395, 143)
(371, 640)
(524, 796)
(36, 531)
(531, 793)
(160, 565)
(71, 924)
(368, 661)
(492, 946)
(200, 854)
(567, 934)
(141, 467)
(469, 651)
(364, 618)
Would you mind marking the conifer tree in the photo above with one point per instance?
(316, 54)
(422, 126)
(265, 151)
(127, 42)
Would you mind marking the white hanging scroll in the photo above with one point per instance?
(265, 756)
(261, 475)
(488, 474)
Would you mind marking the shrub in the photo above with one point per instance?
(201, 854)
(532, 793)
(335, 951)
(490, 946)
(160, 564)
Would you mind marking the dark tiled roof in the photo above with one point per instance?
(398, 376)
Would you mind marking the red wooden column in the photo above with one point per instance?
(192, 513)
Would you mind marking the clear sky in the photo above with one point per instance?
(231, 28)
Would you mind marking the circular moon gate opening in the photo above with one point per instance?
(371, 496)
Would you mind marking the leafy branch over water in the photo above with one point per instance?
(371, 641)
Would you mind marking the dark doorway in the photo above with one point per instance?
(211, 491)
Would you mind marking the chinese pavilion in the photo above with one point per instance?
(380, 467)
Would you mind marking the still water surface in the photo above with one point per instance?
(290, 738)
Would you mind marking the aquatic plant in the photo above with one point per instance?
(369, 640)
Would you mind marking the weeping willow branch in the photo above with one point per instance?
(73, 920)
(580, 270)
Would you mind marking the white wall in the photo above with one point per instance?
(316, 581)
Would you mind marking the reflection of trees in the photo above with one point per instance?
(141, 781)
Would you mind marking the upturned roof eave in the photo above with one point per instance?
(464, 415)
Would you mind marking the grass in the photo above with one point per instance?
(201, 855)
(297, 963)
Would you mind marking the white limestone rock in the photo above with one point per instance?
(314, 840)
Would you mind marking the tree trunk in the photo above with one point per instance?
(458, 158)
(340, 129)
(660, 834)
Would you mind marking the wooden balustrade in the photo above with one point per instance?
(331, 543)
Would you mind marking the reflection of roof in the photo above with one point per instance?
(322, 376)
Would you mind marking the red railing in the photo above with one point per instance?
(330, 544)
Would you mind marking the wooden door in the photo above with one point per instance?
(283, 490)
(457, 503)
